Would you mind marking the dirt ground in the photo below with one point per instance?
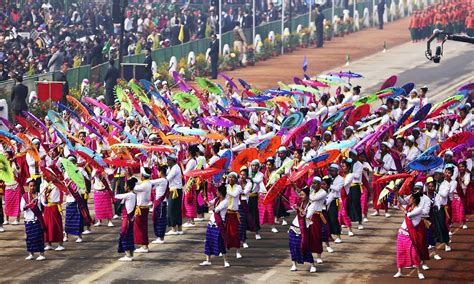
(265, 74)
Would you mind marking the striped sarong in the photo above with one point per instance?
(214, 242)
(125, 243)
(243, 224)
(12, 202)
(333, 218)
(160, 220)
(407, 255)
(103, 205)
(296, 252)
(74, 220)
(458, 216)
(34, 237)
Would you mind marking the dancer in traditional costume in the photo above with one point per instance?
(190, 197)
(234, 190)
(333, 201)
(143, 193)
(440, 208)
(74, 221)
(51, 200)
(34, 223)
(408, 242)
(216, 233)
(160, 205)
(174, 177)
(129, 202)
(102, 202)
(317, 197)
(256, 178)
(299, 234)
(246, 221)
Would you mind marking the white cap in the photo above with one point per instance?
(225, 142)
(316, 179)
(327, 132)
(386, 144)
(282, 149)
(384, 107)
(100, 98)
(419, 184)
(358, 124)
(348, 86)
(334, 166)
(201, 148)
(233, 174)
(449, 153)
(306, 139)
(152, 137)
(36, 141)
(255, 162)
(411, 138)
(313, 105)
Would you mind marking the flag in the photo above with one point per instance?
(305, 64)
(106, 48)
(181, 34)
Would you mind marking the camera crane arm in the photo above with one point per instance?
(439, 49)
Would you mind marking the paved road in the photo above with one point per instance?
(367, 257)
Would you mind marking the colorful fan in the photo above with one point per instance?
(204, 173)
(292, 121)
(365, 100)
(125, 102)
(207, 85)
(73, 172)
(6, 171)
(270, 149)
(390, 82)
(275, 190)
(138, 91)
(186, 100)
(244, 158)
(333, 119)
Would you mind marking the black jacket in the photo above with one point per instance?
(214, 52)
(19, 96)
(111, 76)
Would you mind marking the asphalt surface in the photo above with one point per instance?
(367, 257)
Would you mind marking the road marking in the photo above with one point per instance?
(267, 275)
(100, 273)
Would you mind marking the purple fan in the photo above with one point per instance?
(36, 120)
(217, 121)
(241, 109)
(110, 121)
(228, 79)
(297, 80)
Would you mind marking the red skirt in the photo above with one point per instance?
(140, 228)
(315, 238)
(54, 224)
(469, 200)
(12, 202)
(343, 216)
(378, 187)
(364, 200)
(232, 229)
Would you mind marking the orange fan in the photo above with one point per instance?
(270, 149)
(214, 136)
(79, 106)
(182, 138)
(243, 158)
(30, 147)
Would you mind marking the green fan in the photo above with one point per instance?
(365, 100)
(208, 85)
(6, 171)
(186, 100)
(125, 102)
(73, 173)
(138, 92)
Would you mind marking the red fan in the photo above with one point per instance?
(390, 82)
(205, 173)
(442, 107)
(219, 164)
(90, 162)
(51, 177)
(270, 149)
(359, 113)
(28, 126)
(332, 156)
(456, 140)
(275, 190)
(158, 148)
(121, 162)
(407, 184)
(301, 172)
(243, 158)
(388, 178)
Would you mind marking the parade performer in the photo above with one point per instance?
(246, 221)
(440, 209)
(234, 190)
(256, 178)
(317, 198)
(408, 246)
(347, 176)
(467, 186)
(34, 222)
(333, 201)
(160, 205)
(387, 166)
(354, 208)
(102, 201)
(299, 233)
(189, 196)
(51, 201)
(266, 212)
(143, 193)
(74, 221)
(129, 202)
(174, 177)
(215, 233)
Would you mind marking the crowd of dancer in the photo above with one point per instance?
(450, 16)
(308, 156)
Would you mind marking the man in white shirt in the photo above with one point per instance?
(308, 152)
(256, 178)
(440, 207)
(410, 151)
(354, 206)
